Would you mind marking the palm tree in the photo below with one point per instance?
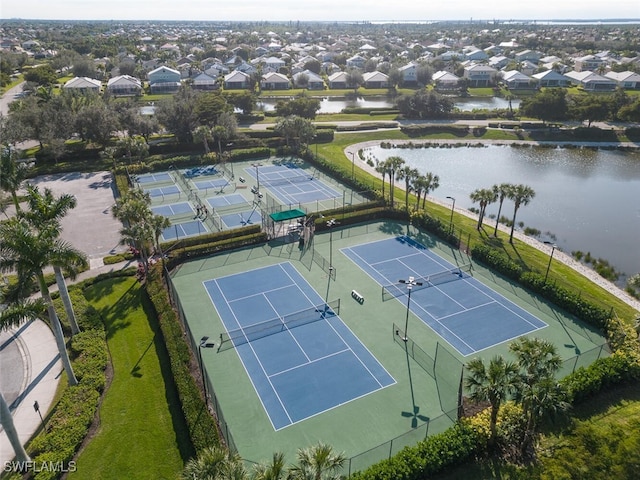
(381, 168)
(409, 175)
(203, 134)
(12, 316)
(393, 165)
(318, 462)
(29, 252)
(419, 184)
(46, 211)
(502, 191)
(271, 471)
(521, 195)
(142, 228)
(484, 197)
(13, 174)
(537, 390)
(432, 181)
(215, 463)
(493, 384)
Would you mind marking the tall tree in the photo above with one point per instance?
(46, 212)
(203, 134)
(502, 191)
(483, 196)
(493, 384)
(393, 165)
(409, 175)
(296, 131)
(13, 174)
(215, 463)
(431, 182)
(537, 391)
(521, 195)
(29, 251)
(381, 168)
(318, 462)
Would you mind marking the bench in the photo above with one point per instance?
(357, 297)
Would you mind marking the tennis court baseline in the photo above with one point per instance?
(297, 371)
(223, 201)
(154, 178)
(173, 209)
(466, 313)
(184, 229)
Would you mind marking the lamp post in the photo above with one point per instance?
(204, 344)
(410, 283)
(330, 224)
(256, 165)
(453, 207)
(353, 165)
(553, 249)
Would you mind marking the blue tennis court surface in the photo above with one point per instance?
(185, 229)
(154, 177)
(199, 171)
(173, 209)
(162, 191)
(226, 200)
(297, 371)
(462, 310)
(214, 183)
(292, 184)
(241, 219)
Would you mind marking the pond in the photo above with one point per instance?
(585, 199)
(332, 104)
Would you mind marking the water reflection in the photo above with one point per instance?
(586, 198)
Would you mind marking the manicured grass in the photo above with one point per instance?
(141, 434)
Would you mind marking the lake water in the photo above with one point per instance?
(588, 199)
(469, 104)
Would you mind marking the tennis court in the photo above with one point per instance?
(291, 184)
(173, 209)
(301, 358)
(163, 191)
(467, 314)
(241, 219)
(216, 183)
(184, 229)
(154, 178)
(223, 201)
(200, 171)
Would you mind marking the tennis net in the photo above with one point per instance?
(250, 333)
(399, 289)
(272, 182)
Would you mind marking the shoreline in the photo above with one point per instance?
(569, 261)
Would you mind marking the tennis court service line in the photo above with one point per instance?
(256, 357)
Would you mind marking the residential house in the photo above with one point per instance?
(592, 81)
(479, 75)
(83, 84)
(313, 80)
(498, 62)
(529, 55)
(164, 80)
(476, 55)
(272, 64)
(338, 80)
(627, 80)
(204, 81)
(236, 80)
(274, 81)
(124, 85)
(409, 75)
(357, 61)
(588, 63)
(375, 80)
(515, 80)
(444, 80)
(527, 67)
(551, 78)
(329, 68)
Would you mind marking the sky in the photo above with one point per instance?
(322, 10)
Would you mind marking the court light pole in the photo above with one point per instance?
(553, 249)
(410, 283)
(204, 343)
(330, 224)
(257, 165)
(453, 207)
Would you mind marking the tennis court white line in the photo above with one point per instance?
(257, 358)
(467, 310)
(263, 293)
(309, 362)
(348, 345)
(288, 329)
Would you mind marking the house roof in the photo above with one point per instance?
(275, 77)
(627, 76)
(83, 82)
(338, 77)
(549, 75)
(163, 69)
(514, 75)
(236, 76)
(442, 76)
(375, 77)
(124, 80)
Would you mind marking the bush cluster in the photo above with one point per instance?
(432, 225)
(421, 130)
(202, 429)
(430, 456)
(72, 416)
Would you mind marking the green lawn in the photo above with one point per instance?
(141, 434)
